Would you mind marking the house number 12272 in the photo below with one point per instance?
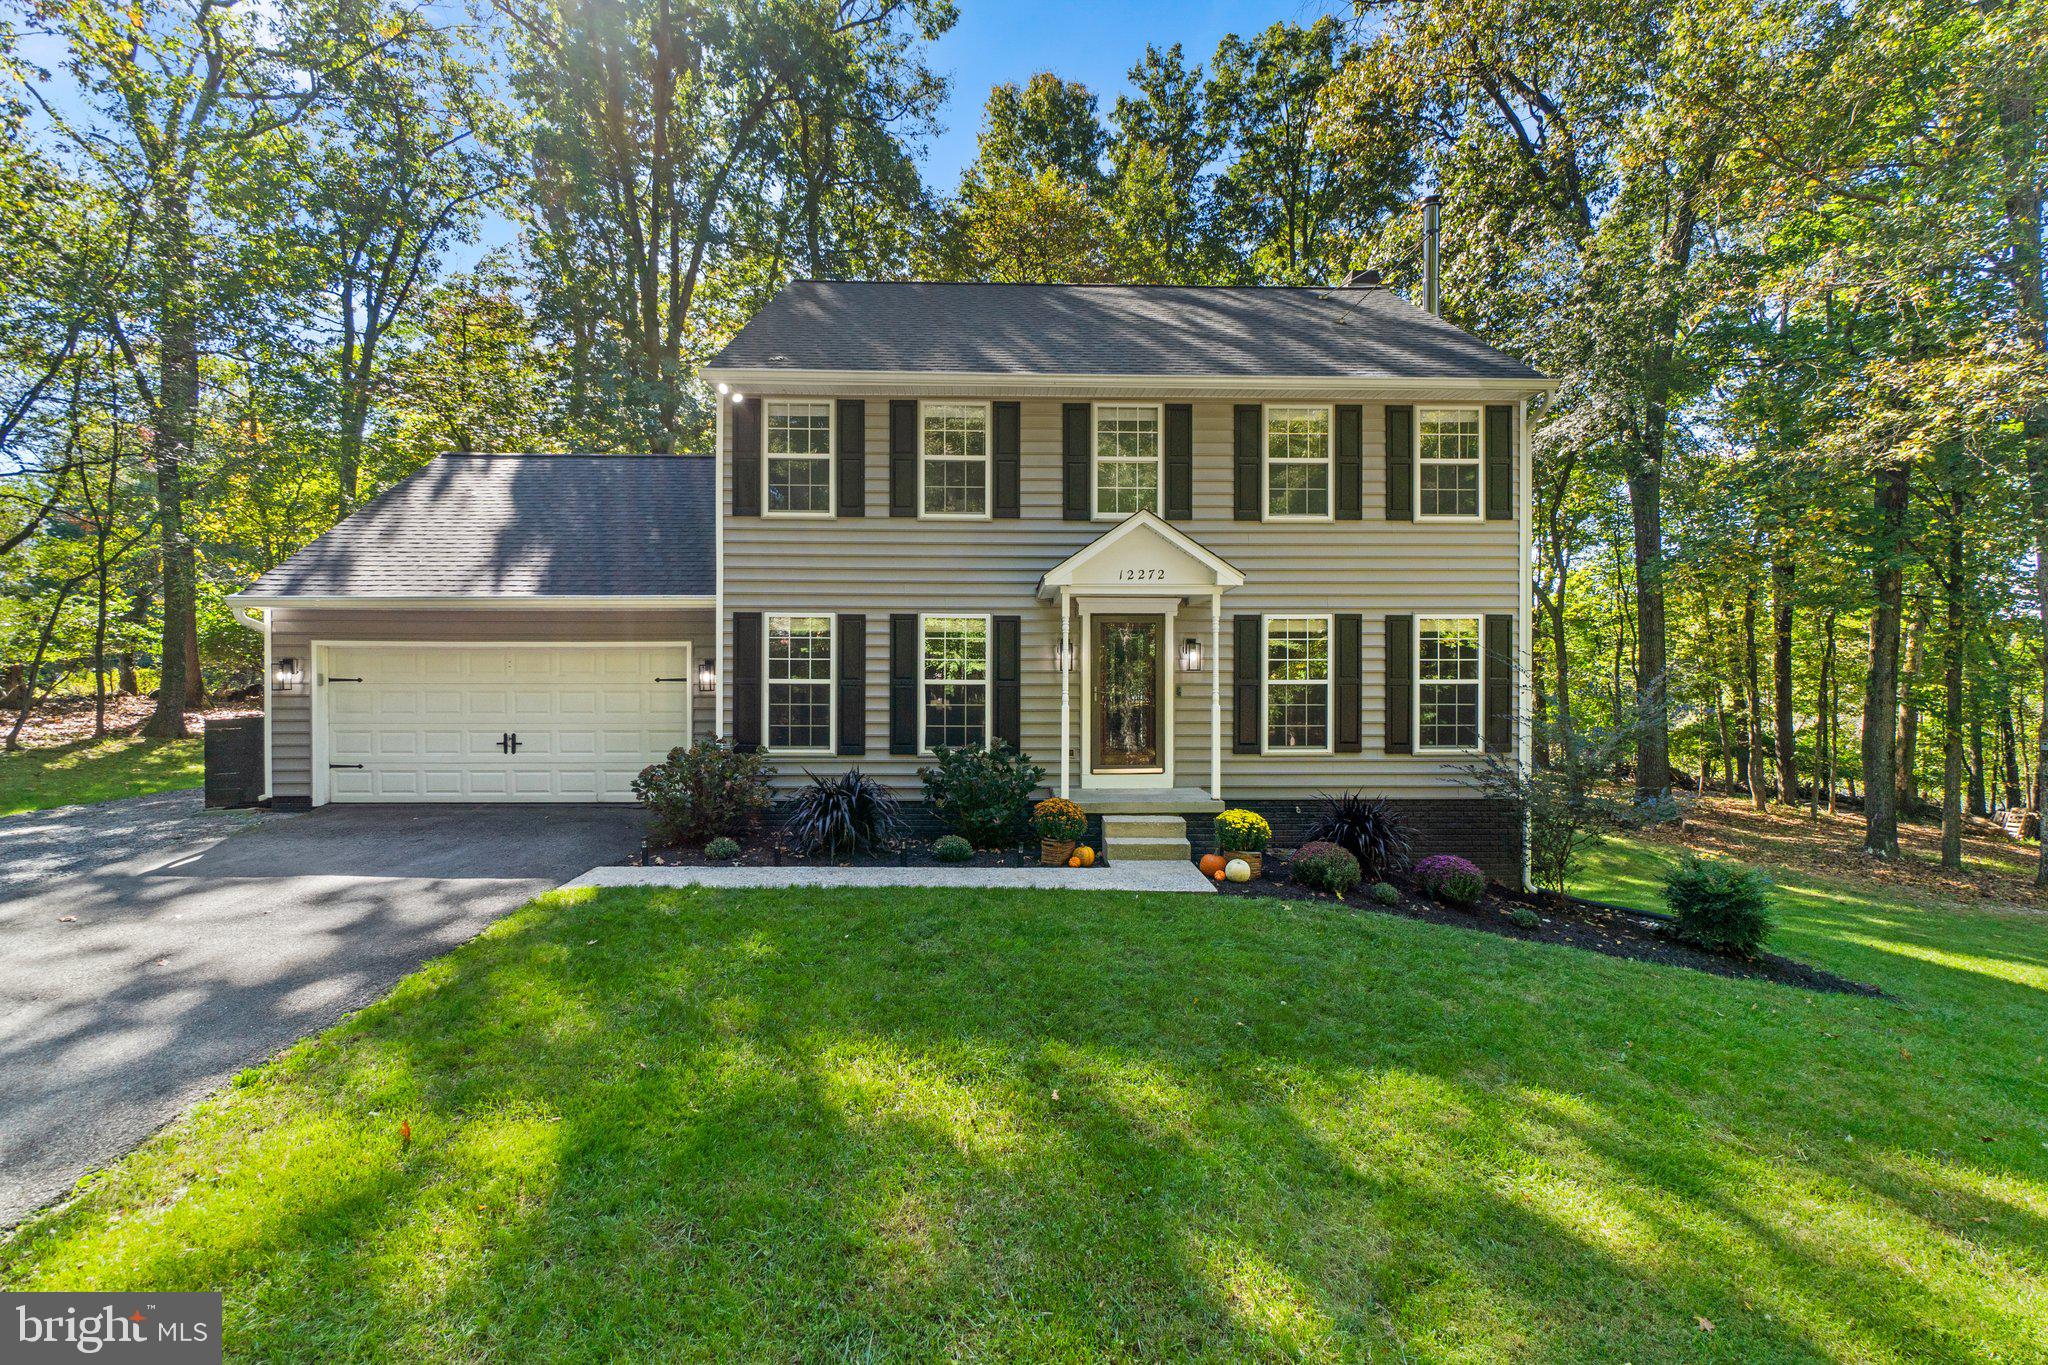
(1140, 575)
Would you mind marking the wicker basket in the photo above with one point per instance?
(1252, 857)
(1055, 852)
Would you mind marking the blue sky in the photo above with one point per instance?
(1092, 43)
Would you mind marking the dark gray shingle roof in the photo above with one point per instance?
(1063, 329)
(520, 526)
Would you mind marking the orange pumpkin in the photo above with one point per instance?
(1212, 864)
(1217, 874)
(1074, 860)
(1086, 855)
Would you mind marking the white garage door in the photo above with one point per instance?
(498, 722)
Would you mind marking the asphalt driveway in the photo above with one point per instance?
(130, 989)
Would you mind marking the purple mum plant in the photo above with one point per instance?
(1447, 877)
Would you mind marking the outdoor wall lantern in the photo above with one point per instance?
(1191, 655)
(1063, 658)
(287, 676)
(707, 681)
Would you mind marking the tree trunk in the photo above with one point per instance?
(1909, 710)
(177, 401)
(1830, 708)
(1781, 679)
(1980, 791)
(1653, 723)
(1881, 690)
(1952, 701)
(1753, 700)
(2009, 751)
(35, 667)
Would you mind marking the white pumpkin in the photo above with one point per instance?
(1237, 870)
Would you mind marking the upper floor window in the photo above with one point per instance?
(1447, 683)
(799, 683)
(954, 462)
(955, 680)
(1297, 462)
(1126, 460)
(1447, 462)
(1298, 682)
(799, 472)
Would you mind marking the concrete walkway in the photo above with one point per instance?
(1126, 876)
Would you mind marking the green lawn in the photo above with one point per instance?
(802, 1125)
(97, 770)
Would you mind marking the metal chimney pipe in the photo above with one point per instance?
(1432, 230)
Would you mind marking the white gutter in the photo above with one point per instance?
(614, 602)
(1508, 386)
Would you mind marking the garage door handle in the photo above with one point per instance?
(671, 679)
(344, 680)
(344, 765)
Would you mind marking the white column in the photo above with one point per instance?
(1066, 667)
(1216, 695)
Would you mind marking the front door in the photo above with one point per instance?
(1127, 679)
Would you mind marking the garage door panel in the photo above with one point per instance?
(426, 724)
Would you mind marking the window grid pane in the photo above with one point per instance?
(955, 657)
(1298, 462)
(1126, 460)
(1297, 683)
(955, 459)
(799, 682)
(1447, 683)
(799, 457)
(1447, 479)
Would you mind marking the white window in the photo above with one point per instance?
(1447, 463)
(799, 684)
(1447, 682)
(799, 464)
(1298, 683)
(954, 463)
(1127, 460)
(1298, 463)
(954, 674)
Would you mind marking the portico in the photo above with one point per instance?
(1131, 623)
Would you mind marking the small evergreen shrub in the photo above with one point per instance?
(840, 817)
(951, 848)
(1448, 878)
(722, 849)
(1366, 827)
(1720, 906)
(1058, 820)
(707, 789)
(1323, 866)
(1242, 831)
(1386, 893)
(1525, 918)
(984, 794)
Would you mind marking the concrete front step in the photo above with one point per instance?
(1145, 838)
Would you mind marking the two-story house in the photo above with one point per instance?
(1183, 546)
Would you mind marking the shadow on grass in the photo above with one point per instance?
(804, 1125)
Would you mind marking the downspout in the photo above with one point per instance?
(1525, 647)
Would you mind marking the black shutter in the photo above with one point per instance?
(1077, 468)
(1178, 504)
(1349, 682)
(1007, 666)
(903, 683)
(1247, 501)
(1400, 463)
(1500, 683)
(1007, 503)
(853, 457)
(1350, 498)
(903, 457)
(1500, 463)
(1246, 661)
(852, 664)
(746, 457)
(1400, 684)
(746, 680)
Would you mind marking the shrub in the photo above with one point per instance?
(842, 816)
(709, 788)
(1323, 866)
(983, 794)
(1058, 820)
(1386, 893)
(951, 848)
(722, 849)
(1722, 907)
(1447, 877)
(1367, 828)
(1242, 831)
(1522, 917)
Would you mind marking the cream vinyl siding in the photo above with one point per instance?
(878, 565)
(293, 632)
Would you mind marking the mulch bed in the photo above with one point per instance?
(1594, 926)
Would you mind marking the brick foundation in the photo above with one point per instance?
(1487, 832)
